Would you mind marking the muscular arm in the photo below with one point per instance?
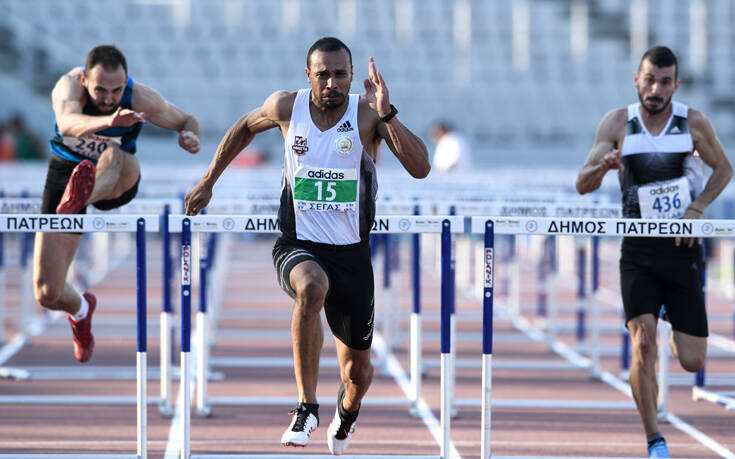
(710, 150)
(275, 111)
(408, 148)
(604, 154)
(161, 112)
(66, 100)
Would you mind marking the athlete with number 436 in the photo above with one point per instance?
(327, 209)
(99, 112)
(658, 147)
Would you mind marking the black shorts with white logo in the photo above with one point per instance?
(655, 273)
(350, 303)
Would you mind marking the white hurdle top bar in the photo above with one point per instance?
(630, 227)
(23, 223)
(269, 224)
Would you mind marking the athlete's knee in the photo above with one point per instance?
(47, 294)
(310, 295)
(692, 363)
(111, 159)
(644, 346)
(357, 373)
(692, 358)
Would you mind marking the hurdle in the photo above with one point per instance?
(94, 223)
(269, 224)
(512, 208)
(384, 225)
(583, 227)
(140, 206)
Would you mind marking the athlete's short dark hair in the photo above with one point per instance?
(661, 56)
(327, 44)
(109, 56)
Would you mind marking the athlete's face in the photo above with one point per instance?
(656, 86)
(330, 76)
(105, 87)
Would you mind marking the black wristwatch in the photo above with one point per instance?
(389, 116)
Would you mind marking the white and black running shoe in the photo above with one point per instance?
(341, 429)
(304, 419)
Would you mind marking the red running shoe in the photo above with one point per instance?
(82, 331)
(78, 190)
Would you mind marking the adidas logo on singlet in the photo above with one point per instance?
(346, 127)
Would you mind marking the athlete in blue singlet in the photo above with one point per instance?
(658, 146)
(99, 113)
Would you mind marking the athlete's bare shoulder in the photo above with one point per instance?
(68, 93)
(700, 126)
(696, 118)
(71, 81)
(612, 126)
(617, 117)
(278, 106)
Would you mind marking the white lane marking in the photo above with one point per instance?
(395, 369)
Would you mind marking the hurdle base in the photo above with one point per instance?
(204, 411)
(166, 410)
(17, 374)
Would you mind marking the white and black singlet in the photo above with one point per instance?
(327, 208)
(661, 177)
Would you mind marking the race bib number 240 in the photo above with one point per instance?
(90, 146)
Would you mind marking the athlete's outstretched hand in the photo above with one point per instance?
(376, 92)
(124, 117)
(197, 198)
(612, 160)
(189, 141)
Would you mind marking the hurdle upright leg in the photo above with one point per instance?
(185, 337)
(203, 410)
(595, 323)
(487, 339)
(141, 364)
(446, 358)
(415, 340)
(2, 287)
(166, 325)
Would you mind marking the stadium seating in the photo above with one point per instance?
(219, 58)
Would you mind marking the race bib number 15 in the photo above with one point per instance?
(325, 189)
(668, 199)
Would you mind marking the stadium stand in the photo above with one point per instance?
(219, 58)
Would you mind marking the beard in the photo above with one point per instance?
(332, 99)
(105, 109)
(101, 109)
(659, 100)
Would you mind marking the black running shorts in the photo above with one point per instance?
(655, 273)
(59, 171)
(350, 302)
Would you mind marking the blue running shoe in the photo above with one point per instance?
(658, 449)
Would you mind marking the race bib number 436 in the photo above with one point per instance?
(325, 189)
(667, 199)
